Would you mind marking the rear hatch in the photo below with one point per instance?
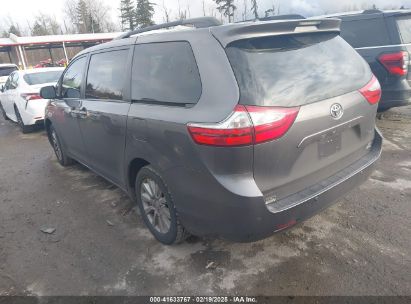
(318, 74)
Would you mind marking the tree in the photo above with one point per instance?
(167, 13)
(45, 25)
(254, 8)
(127, 15)
(14, 29)
(144, 13)
(226, 7)
(88, 16)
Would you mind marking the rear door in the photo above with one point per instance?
(105, 109)
(320, 75)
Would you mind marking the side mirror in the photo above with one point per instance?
(48, 92)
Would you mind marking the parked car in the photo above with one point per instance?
(383, 38)
(20, 100)
(5, 70)
(236, 131)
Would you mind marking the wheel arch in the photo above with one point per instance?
(133, 168)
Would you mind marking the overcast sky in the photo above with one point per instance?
(23, 11)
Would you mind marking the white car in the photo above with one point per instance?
(5, 70)
(20, 100)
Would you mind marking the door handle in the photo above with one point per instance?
(82, 113)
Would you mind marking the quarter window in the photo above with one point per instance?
(165, 73)
(365, 33)
(72, 79)
(106, 75)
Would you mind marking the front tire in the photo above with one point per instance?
(3, 112)
(24, 129)
(61, 155)
(157, 208)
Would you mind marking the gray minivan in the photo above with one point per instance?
(237, 131)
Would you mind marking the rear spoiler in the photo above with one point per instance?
(230, 33)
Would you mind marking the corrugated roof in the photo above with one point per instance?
(15, 40)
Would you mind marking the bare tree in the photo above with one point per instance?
(167, 12)
(254, 8)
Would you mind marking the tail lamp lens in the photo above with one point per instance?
(247, 125)
(372, 91)
(396, 63)
(30, 96)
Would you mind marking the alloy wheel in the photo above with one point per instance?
(56, 145)
(155, 205)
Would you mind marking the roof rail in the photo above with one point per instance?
(202, 22)
(283, 17)
(372, 11)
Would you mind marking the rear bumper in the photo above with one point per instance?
(207, 208)
(395, 96)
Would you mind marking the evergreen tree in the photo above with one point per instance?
(144, 13)
(127, 15)
(82, 16)
(254, 8)
(226, 7)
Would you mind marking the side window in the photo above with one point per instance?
(14, 81)
(165, 73)
(365, 33)
(106, 75)
(72, 79)
(8, 82)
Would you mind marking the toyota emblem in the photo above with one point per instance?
(337, 111)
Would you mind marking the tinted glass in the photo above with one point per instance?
(71, 84)
(106, 75)
(43, 77)
(296, 70)
(7, 71)
(14, 81)
(165, 73)
(404, 26)
(364, 33)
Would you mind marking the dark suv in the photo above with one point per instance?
(383, 38)
(237, 131)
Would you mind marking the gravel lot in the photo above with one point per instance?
(360, 246)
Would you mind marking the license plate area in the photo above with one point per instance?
(329, 144)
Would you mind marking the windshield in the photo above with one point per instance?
(294, 70)
(7, 71)
(43, 77)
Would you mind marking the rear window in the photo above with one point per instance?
(43, 77)
(404, 26)
(7, 71)
(296, 70)
(365, 32)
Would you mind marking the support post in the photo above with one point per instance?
(23, 61)
(65, 52)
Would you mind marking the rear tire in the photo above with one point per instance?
(24, 129)
(61, 155)
(3, 112)
(157, 208)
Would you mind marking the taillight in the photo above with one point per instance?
(271, 123)
(396, 63)
(372, 91)
(30, 96)
(247, 125)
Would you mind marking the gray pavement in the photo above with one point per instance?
(360, 246)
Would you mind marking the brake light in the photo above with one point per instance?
(396, 63)
(372, 91)
(247, 125)
(30, 96)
